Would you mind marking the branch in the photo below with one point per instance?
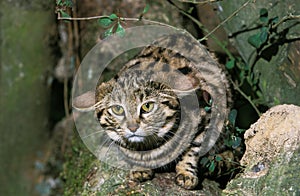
(285, 18)
(199, 2)
(227, 19)
(248, 98)
(120, 18)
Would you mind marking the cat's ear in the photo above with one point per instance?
(84, 102)
(91, 100)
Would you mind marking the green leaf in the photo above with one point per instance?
(190, 10)
(207, 108)
(146, 9)
(59, 2)
(264, 34)
(120, 30)
(232, 117)
(109, 32)
(68, 3)
(230, 64)
(228, 142)
(212, 166)
(254, 40)
(113, 16)
(259, 94)
(105, 22)
(239, 130)
(218, 158)
(263, 15)
(204, 161)
(275, 20)
(236, 141)
(64, 14)
(242, 74)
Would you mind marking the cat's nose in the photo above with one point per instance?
(133, 127)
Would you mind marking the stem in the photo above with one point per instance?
(285, 18)
(121, 18)
(201, 26)
(227, 19)
(199, 2)
(248, 98)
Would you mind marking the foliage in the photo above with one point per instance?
(62, 6)
(76, 167)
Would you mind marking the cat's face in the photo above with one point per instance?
(138, 113)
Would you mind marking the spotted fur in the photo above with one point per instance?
(172, 131)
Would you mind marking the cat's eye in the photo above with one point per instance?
(118, 110)
(147, 107)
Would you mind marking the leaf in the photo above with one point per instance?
(113, 16)
(259, 94)
(263, 15)
(207, 108)
(275, 20)
(204, 161)
(264, 34)
(109, 32)
(190, 10)
(230, 64)
(68, 3)
(228, 142)
(242, 74)
(232, 117)
(212, 166)
(254, 40)
(105, 22)
(64, 14)
(146, 9)
(236, 141)
(120, 30)
(218, 158)
(59, 2)
(239, 130)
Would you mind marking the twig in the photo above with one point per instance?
(227, 19)
(199, 2)
(201, 26)
(120, 18)
(285, 18)
(248, 98)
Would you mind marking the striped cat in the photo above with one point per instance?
(163, 108)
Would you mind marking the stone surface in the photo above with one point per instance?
(25, 60)
(277, 62)
(272, 155)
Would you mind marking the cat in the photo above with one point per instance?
(163, 107)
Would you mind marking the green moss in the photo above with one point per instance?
(281, 179)
(78, 163)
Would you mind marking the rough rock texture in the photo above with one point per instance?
(276, 62)
(25, 63)
(272, 155)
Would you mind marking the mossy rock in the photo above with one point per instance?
(272, 56)
(272, 155)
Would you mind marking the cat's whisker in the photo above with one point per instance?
(94, 133)
(150, 128)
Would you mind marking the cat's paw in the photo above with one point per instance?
(141, 175)
(186, 180)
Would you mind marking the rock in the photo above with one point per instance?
(272, 156)
(276, 62)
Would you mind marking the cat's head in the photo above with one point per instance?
(136, 112)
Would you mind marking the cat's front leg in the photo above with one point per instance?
(141, 175)
(186, 169)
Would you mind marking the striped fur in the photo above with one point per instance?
(177, 128)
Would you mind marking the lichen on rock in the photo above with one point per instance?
(272, 156)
